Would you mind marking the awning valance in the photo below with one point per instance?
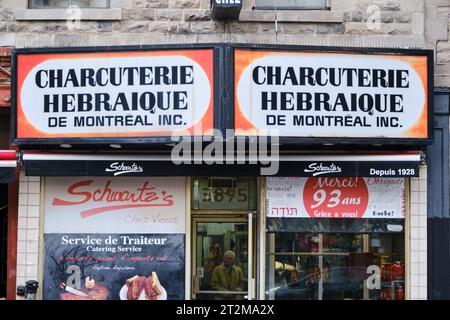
(347, 165)
(8, 164)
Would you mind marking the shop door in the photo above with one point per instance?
(215, 277)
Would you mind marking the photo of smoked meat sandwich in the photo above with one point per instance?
(143, 288)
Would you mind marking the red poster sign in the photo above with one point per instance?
(336, 197)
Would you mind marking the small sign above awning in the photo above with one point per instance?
(361, 165)
(225, 9)
(8, 164)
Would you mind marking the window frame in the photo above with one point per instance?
(38, 7)
(302, 8)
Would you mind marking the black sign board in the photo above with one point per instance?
(384, 169)
(301, 92)
(225, 9)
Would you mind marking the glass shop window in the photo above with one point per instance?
(224, 193)
(335, 259)
(57, 4)
(291, 4)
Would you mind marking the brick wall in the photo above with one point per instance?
(5, 75)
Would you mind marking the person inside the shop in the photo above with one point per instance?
(228, 277)
(215, 258)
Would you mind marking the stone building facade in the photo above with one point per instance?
(396, 23)
(360, 23)
(403, 24)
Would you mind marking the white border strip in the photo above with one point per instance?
(83, 157)
(8, 163)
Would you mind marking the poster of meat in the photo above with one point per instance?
(114, 267)
(114, 238)
(327, 197)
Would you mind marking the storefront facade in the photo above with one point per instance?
(293, 255)
(287, 257)
(337, 222)
(208, 229)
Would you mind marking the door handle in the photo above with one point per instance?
(196, 284)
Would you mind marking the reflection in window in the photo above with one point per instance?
(335, 266)
(54, 4)
(290, 4)
(213, 240)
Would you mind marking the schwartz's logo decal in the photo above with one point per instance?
(318, 168)
(112, 198)
(122, 168)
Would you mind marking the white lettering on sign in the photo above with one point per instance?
(228, 1)
(122, 168)
(319, 169)
(331, 95)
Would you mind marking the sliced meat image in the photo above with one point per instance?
(149, 291)
(135, 287)
(150, 285)
(156, 284)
